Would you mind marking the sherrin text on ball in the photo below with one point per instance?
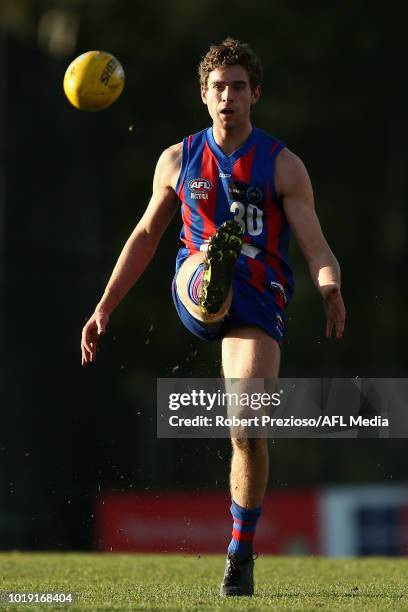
(94, 81)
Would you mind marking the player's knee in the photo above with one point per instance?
(249, 446)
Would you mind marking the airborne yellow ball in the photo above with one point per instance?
(94, 80)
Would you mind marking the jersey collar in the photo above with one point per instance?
(229, 160)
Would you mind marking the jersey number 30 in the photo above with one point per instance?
(253, 223)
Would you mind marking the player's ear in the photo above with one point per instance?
(204, 94)
(256, 94)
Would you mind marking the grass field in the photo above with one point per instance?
(177, 582)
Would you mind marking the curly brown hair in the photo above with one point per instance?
(231, 52)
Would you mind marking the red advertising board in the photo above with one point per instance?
(200, 522)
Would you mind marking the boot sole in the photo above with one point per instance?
(219, 266)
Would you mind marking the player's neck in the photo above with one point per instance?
(231, 140)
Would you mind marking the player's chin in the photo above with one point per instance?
(228, 121)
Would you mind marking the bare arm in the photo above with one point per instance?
(138, 250)
(293, 184)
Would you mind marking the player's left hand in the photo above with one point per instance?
(91, 333)
(335, 311)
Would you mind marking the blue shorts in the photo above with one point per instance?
(249, 308)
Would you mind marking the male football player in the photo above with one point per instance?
(241, 191)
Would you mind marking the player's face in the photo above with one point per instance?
(228, 97)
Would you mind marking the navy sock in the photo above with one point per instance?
(243, 529)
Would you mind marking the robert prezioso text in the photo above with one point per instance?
(267, 421)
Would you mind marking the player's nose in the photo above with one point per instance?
(227, 94)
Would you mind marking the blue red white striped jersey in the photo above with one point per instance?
(214, 187)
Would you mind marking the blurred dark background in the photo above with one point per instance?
(74, 184)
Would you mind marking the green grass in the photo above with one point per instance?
(177, 582)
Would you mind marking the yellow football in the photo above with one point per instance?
(94, 80)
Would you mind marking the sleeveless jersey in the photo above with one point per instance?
(214, 187)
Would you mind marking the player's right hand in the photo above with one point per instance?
(335, 311)
(91, 333)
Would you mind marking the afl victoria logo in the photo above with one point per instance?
(200, 185)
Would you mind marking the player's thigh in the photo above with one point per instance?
(184, 274)
(249, 352)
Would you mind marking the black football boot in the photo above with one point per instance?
(223, 251)
(238, 576)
